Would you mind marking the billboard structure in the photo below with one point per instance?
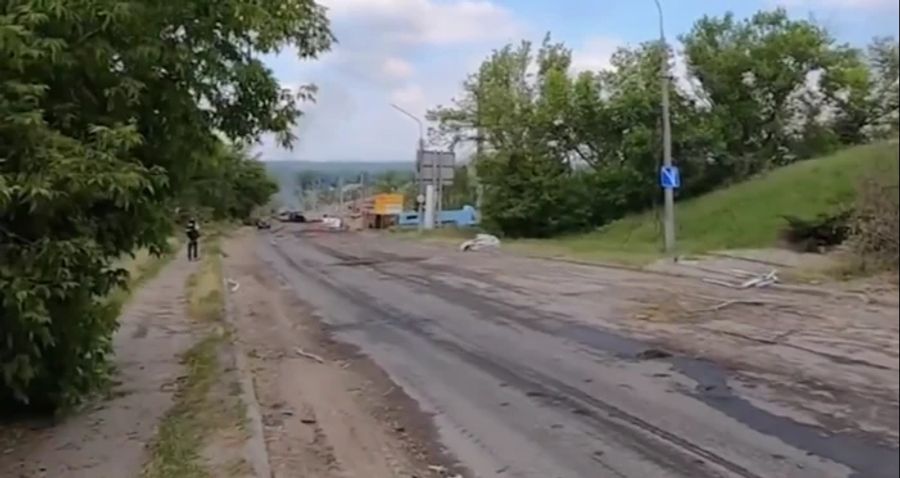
(436, 168)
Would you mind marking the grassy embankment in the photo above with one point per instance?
(745, 215)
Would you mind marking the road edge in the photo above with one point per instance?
(255, 446)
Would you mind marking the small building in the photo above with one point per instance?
(381, 210)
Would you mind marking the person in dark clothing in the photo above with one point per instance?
(193, 234)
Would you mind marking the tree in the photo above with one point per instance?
(461, 192)
(884, 60)
(526, 171)
(748, 72)
(558, 151)
(229, 185)
(392, 181)
(108, 109)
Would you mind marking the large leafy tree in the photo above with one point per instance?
(563, 151)
(750, 72)
(108, 109)
(884, 58)
(517, 107)
(227, 184)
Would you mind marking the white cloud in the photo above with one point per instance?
(430, 21)
(396, 68)
(414, 53)
(595, 54)
(840, 4)
(411, 98)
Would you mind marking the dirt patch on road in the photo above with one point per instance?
(327, 411)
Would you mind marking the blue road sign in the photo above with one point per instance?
(669, 177)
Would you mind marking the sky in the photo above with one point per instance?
(416, 53)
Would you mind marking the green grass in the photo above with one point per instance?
(176, 451)
(745, 215)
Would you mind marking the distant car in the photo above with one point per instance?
(296, 217)
(263, 224)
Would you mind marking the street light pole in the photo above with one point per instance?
(418, 122)
(420, 155)
(668, 192)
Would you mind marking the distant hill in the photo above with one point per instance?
(286, 172)
(280, 168)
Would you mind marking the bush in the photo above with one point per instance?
(533, 196)
(814, 235)
(876, 222)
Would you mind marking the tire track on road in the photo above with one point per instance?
(864, 453)
(666, 449)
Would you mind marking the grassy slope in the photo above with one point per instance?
(746, 215)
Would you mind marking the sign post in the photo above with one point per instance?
(670, 180)
(435, 169)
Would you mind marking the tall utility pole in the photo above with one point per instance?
(668, 193)
(341, 198)
(420, 155)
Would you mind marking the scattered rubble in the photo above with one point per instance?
(479, 242)
(756, 281)
(308, 355)
(233, 285)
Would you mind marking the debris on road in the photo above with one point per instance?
(441, 470)
(481, 241)
(233, 285)
(653, 354)
(332, 222)
(308, 355)
(762, 280)
(758, 281)
(729, 303)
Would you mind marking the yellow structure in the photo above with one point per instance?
(387, 204)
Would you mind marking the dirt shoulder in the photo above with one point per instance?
(176, 410)
(110, 439)
(326, 410)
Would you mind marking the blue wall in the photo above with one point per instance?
(465, 217)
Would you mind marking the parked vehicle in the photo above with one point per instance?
(292, 216)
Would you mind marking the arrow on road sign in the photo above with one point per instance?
(669, 177)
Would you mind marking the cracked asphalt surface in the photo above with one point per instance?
(531, 368)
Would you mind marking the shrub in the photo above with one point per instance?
(814, 235)
(876, 222)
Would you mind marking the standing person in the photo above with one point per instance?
(193, 234)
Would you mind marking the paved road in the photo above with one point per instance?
(519, 391)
